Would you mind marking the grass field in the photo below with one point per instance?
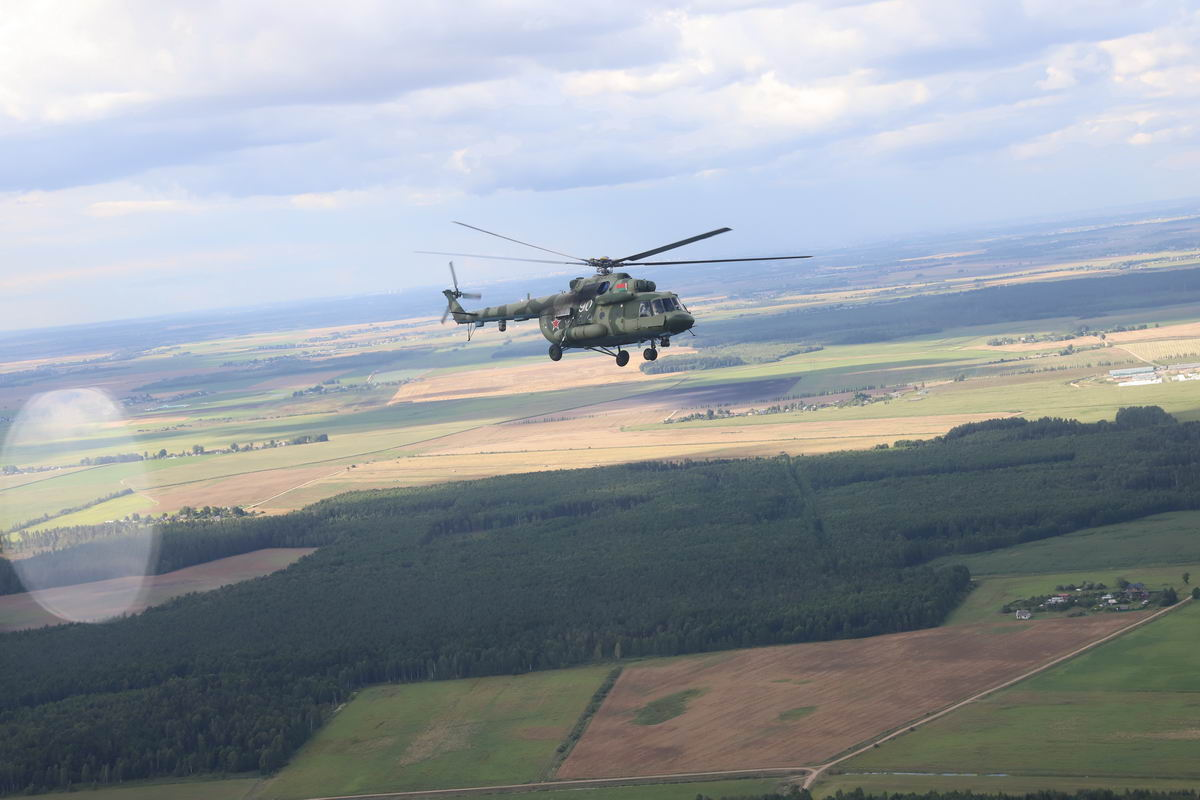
(1128, 709)
(1172, 538)
(879, 783)
(748, 717)
(985, 600)
(233, 789)
(655, 791)
(479, 732)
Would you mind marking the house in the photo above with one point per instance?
(1056, 600)
(1024, 614)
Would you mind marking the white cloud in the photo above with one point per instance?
(229, 110)
(120, 208)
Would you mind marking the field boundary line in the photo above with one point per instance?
(350, 456)
(582, 783)
(294, 488)
(906, 728)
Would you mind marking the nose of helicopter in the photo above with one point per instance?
(679, 321)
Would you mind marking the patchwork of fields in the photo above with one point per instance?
(1128, 709)
(744, 712)
(480, 732)
(400, 407)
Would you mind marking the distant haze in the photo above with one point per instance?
(159, 157)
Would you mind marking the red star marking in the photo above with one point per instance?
(555, 324)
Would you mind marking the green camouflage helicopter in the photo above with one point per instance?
(607, 310)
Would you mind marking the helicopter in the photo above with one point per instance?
(603, 312)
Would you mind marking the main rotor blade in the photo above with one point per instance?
(518, 241)
(454, 277)
(709, 261)
(500, 258)
(666, 247)
(470, 295)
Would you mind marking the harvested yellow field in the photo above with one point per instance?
(1164, 350)
(102, 599)
(1184, 330)
(598, 436)
(543, 377)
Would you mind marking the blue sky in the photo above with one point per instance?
(172, 156)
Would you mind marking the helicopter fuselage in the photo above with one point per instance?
(600, 311)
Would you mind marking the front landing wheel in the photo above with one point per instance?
(555, 352)
(649, 354)
(622, 358)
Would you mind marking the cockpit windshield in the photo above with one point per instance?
(663, 305)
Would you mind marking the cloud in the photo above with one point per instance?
(342, 125)
(234, 99)
(119, 208)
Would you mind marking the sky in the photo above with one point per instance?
(160, 156)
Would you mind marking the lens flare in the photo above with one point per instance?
(84, 573)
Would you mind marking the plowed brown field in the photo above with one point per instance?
(860, 688)
(103, 599)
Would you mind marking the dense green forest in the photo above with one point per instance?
(547, 570)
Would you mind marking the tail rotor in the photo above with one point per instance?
(454, 295)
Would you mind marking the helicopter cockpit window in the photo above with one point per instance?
(645, 309)
(602, 288)
(657, 305)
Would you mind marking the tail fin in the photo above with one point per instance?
(455, 309)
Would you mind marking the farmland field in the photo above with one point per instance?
(738, 717)
(231, 789)
(880, 782)
(484, 731)
(20, 611)
(403, 403)
(1172, 538)
(1128, 709)
(992, 592)
(654, 791)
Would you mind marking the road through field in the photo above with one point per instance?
(811, 773)
(817, 771)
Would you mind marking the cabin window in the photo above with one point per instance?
(602, 288)
(645, 309)
(657, 305)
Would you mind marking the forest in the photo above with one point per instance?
(540, 571)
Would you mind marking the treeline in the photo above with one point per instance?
(113, 550)
(925, 314)
(548, 570)
(62, 512)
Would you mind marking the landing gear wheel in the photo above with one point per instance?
(649, 354)
(622, 358)
(555, 352)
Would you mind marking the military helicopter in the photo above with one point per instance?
(603, 312)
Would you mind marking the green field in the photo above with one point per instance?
(878, 783)
(235, 789)
(1172, 538)
(479, 732)
(653, 791)
(1130, 708)
(984, 602)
